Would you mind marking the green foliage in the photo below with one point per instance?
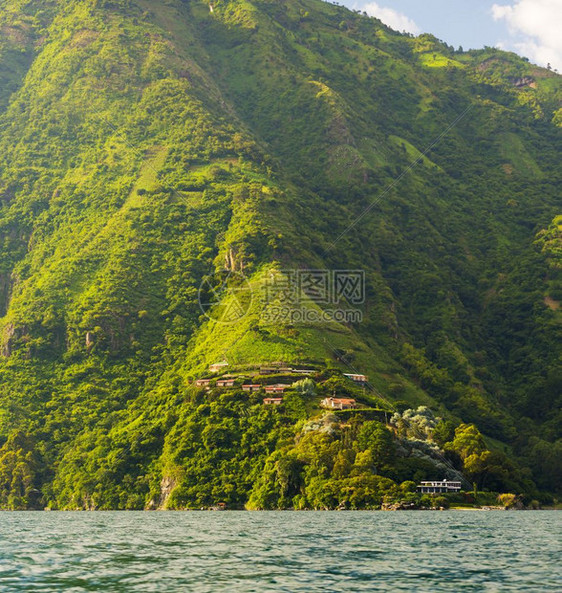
(305, 386)
(327, 468)
(467, 442)
(20, 469)
(443, 432)
(416, 424)
(146, 146)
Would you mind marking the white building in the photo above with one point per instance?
(356, 378)
(444, 486)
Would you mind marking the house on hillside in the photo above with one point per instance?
(226, 382)
(356, 378)
(218, 367)
(338, 403)
(277, 388)
(251, 387)
(272, 401)
(434, 487)
(203, 383)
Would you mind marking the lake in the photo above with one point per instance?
(281, 551)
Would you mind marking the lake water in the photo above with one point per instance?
(281, 551)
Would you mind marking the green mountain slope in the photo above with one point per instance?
(146, 147)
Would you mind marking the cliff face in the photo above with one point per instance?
(154, 155)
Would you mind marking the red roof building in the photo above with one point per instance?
(339, 403)
(277, 388)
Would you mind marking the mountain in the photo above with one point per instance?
(166, 165)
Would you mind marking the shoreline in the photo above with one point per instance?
(210, 510)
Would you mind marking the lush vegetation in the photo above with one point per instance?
(145, 146)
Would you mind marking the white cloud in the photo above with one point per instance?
(535, 27)
(392, 18)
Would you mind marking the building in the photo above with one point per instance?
(304, 371)
(202, 382)
(251, 387)
(356, 378)
(217, 367)
(434, 487)
(272, 401)
(339, 403)
(225, 382)
(277, 388)
(273, 370)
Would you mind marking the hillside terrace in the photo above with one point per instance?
(275, 380)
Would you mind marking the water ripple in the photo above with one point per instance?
(237, 552)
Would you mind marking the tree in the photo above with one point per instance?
(494, 471)
(468, 441)
(305, 386)
(443, 432)
(18, 474)
(376, 438)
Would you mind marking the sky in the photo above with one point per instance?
(531, 28)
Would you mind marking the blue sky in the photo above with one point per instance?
(532, 28)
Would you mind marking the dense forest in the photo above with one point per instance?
(158, 159)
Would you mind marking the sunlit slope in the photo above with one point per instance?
(147, 146)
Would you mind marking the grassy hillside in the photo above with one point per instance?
(147, 148)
